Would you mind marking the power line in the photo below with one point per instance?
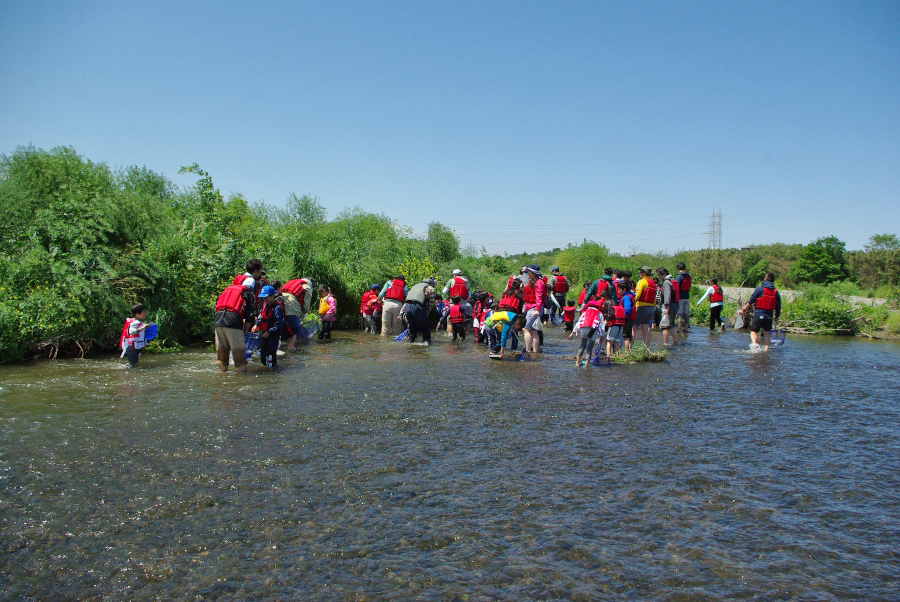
(532, 225)
(598, 242)
(570, 234)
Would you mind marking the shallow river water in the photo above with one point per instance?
(371, 470)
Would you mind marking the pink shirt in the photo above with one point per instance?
(539, 287)
(332, 309)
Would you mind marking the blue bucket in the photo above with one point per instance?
(251, 341)
(150, 332)
(776, 338)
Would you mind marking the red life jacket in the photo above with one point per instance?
(232, 299)
(633, 314)
(266, 316)
(602, 285)
(528, 293)
(616, 283)
(456, 314)
(510, 281)
(362, 302)
(561, 285)
(477, 310)
(128, 340)
(716, 295)
(648, 295)
(395, 291)
(589, 314)
(768, 300)
(258, 283)
(676, 296)
(459, 289)
(511, 303)
(685, 283)
(617, 317)
(295, 287)
(581, 296)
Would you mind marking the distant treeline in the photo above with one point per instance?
(80, 243)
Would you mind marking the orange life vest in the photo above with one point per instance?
(232, 299)
(395, 291)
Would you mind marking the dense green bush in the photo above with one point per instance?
(81, 243)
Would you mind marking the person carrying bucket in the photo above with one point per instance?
(767, 308)
(716, 303)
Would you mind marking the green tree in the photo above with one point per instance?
(883, 242)
(821, 262)
(441, 244)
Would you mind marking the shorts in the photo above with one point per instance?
(761, 322)
(628, 331)
(644, 315)
(615, 334)
(533, 319)
(230, 340)
(684, 308)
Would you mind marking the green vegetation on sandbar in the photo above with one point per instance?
(80, 243)
(639, 353)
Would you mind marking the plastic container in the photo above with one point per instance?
(150, 332)
(776, 338)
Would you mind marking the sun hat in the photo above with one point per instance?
(646, 269)
(266, 291)
(534, 269)
(554, 268)
(375, 286)
(457, 272)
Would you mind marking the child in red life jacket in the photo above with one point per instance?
(132, 339)
(457, 318)
(269, 325)
(569, 315)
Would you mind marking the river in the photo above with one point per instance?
(370, 470)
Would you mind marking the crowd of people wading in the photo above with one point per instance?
(613, 310)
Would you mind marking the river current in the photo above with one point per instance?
(368, 470)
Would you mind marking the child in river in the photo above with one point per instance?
(457, 318)
(327, 311)
(269, 325)
(132, 339)
(569, 315)
(589, 324)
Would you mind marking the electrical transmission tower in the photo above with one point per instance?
(715, 229)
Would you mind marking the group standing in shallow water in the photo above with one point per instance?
(609, 310)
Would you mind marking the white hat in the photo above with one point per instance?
(457, 272)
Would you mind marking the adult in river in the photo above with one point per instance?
(683, 280)
(296, 294)
(419, 303)
(558, 286)
(716, 303)
(669, 305)
(645, 296)
(534, 301)
(393, 293)
(235, 311)
(767, 308)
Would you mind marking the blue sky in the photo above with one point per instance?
(525, 126)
